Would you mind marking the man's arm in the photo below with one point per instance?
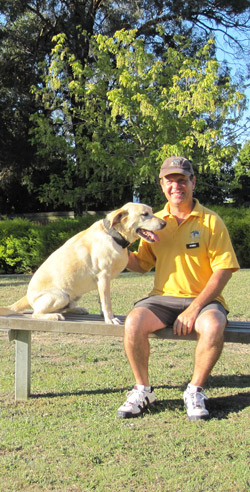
(185, 321)
(133, 263)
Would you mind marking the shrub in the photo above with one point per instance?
(239, 230)
(25, 245)
(237, 221)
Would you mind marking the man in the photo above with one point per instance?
(193, 261)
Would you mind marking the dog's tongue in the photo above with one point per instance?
(148, 235)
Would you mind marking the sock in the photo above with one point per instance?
(193, 388)
(142, 387)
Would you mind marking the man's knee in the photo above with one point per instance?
(210, 325)
(135, 321)
(141, 321)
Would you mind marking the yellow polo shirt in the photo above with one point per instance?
(188, 254)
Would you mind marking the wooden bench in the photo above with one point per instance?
(20, 328)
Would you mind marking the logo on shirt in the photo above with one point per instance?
(195, 234)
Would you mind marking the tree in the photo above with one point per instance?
(133, 109)
(241, 183)
(16, 105)
(26, 32)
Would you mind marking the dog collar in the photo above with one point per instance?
(118, 238)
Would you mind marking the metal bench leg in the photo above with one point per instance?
(23, 362)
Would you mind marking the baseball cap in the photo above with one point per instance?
(176, 165)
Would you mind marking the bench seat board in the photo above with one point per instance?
(19, 328)
(93, 324)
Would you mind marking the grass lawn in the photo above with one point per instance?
(67, 438)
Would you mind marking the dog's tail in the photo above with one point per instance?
(15, 308)
(4, 311)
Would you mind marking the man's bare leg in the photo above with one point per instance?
(210, 327)
(139, 324)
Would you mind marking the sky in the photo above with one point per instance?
(237, 66)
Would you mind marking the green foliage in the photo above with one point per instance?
(120, 116)
(240, 235)
(241, 183)
(19, 246)
(76, 154)
(237, 221)
(178, 93)
(243, 164)
(24, 245)
(81, 133)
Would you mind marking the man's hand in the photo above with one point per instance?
(186, 320)
(184, 324)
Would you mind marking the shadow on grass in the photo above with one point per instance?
(222, 406)
(230, 381)
(100, 391)
(219, 407)
(14, 285)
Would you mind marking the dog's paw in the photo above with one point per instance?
(76, 310)
(112, 320)
(58, 317)
(79, 310)
(49, 316)
(116, 321)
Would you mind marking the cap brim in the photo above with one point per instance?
(174, 170)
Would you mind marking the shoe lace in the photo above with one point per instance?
(135, 396)
(197, 398)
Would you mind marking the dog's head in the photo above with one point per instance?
(136, 220)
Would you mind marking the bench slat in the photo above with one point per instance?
(19, 328)
(93, 324)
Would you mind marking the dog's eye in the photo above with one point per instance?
(146, 214)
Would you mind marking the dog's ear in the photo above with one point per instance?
(116, 216)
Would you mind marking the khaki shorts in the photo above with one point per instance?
(168, 308)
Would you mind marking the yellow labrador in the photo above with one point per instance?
(87, 261)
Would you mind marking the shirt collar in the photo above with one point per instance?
(197, 210)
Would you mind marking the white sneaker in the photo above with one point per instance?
(138, 400)
(195, 404)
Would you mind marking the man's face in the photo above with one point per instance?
(178, 188)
